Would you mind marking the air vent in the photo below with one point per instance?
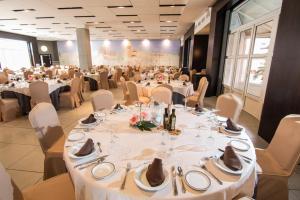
(176, 14)
(5, 19)
(126, 15)
(23, 24)
(168, 26)
(23, 10)
(168, 21)
(84, 16)
(103, 26)
(135, 26)
(16, 29)
(55, 23)
(65, 34)
(119, 6)
(172, 5)
(45, 17)
(69, 8)
(70, 27)
(131, 22)
(43, 28)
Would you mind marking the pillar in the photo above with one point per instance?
(84, 48)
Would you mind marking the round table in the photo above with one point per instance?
(126, 144)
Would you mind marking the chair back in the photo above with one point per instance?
(104, 80)
(192, 72)
(137, 76)
(123, 85)
(203, 84)
(41, 117)
(162, 95)
(26, 74)
(285, 145)
(229, 105)
(39, 92)
(176, 75)
(75, 85)
(132, 89)
(3, 78)
(166, 86)
(6, 186)
(78, 74)
(184, 77)
(64, 76)
(102, 99)
(71, 73)
(118, 74)
(49, 73)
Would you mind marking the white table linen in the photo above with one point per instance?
(138, 148)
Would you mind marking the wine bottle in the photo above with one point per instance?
(172, 120)
(166, 119)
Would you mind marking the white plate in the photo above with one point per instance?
(220, 164)
(240, 145)
(178, 105)
(91, 124)
(103, 170)
(197, 180)
(221, 119)
(233, 132)
(142, 182)
(75, 136)
(74, 149)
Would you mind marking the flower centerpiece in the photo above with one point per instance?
(159, 78)
(140, 122)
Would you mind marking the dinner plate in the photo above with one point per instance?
(75, 136)
(75, 148)
(220, 164)
(90, 124)
(240, 145)
(233, 132)
(178, 105)
(103, 170)
(221, 119)
(142, 182)
(197, 180)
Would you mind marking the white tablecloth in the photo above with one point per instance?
(139, 148)
(22, 87)
(178, 87)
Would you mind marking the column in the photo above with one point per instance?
(84, 48)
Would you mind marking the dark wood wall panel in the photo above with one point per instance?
(283, 89)
(200, 52)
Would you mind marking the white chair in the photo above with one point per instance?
(229, 105)
(162, 95)
(43, 118)
(58, 188)
(278, 160)
(133, 93)
(102, 99)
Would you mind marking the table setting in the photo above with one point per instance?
(110, 157)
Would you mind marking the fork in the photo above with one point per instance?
(128, 167)
(180, 174)
(99, 144)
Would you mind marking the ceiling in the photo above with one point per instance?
(106, 19)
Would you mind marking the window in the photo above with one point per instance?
(14, 54)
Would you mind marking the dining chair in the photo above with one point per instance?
(230, 106)
(71, 98)
(137, 76)
(27, 74)
(3, 78)
(176, 75)
(104, 80)
(133, 93)
(162, 95)
(39, 92)
(58, 188)
(102, 99)
(9, 109)
(43, 118)
(124, 89)
(184, 77)
(49, 73)
(71, 73)
(278, 161)
(198, 97)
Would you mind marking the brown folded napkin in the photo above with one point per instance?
(59, 81)
(86, 149)
(148, 84)
(118, 107)
(232, 126)
(89, 120)
(155, 174)
(184, 83)
(156, 103)
(198, 108)
(230, 159)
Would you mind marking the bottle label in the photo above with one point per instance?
(173, 123)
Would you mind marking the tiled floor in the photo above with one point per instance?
(22, 156)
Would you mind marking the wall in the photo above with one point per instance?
(283, 90)
(200, 52)
(116, 53)
(29, 39)
(52, 49)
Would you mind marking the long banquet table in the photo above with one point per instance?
(140, 148)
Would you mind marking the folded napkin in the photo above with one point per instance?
(12, 85)
(139, 81)
(156, 103)
(86, 149)
(184, 83)
(232, 126)
(118, 107)
(231, 160)
(59, 81)
(148, 84)
(159, 82)
(89, 120)
(198, 108)
(155, 174)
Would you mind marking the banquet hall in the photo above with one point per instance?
(149, 99)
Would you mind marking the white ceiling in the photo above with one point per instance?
(150, 19)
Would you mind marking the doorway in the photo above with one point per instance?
(46, 60)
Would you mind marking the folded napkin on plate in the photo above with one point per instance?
(156, 103)
(86, 149)
(232, 126)
(118, 107)
(231, 160)
(155, 174)
(198, 108)
(59, 81)
(184, 83)
(148, 84)
(89, 120)
(139, 81)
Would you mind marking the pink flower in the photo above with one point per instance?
(133, 120)
(144, 115)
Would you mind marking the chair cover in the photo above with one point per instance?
(124, 89)
(6, 188)
(71, 73)
(166, 86)
(39, 92)
(279, 159)
(176, 75)
(229, 105)
(184, 77)
(3, 78)
(198, 96)
(71, 99)
(102, 99)
(104, 80)
(162, 95)
(26, 74)
(137, 77)
(43, 118)
(49, 73)
(9, 109)
(133, 93)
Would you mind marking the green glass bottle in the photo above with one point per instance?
(172, 121)
(166, 119)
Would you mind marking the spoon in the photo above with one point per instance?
(128, 167)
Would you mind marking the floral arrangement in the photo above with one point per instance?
(140, 121)
(159, 77)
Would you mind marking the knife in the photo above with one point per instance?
(90, 161)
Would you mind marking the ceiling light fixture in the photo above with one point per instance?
(166, 42)
(132, 22)
(69, 43)
(106, 43)
(125, 42)
(146, 43)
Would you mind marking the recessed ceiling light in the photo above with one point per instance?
(132, 22)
